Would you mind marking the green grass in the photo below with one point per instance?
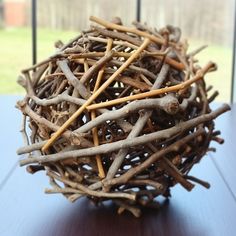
(16, 55)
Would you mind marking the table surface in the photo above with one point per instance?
(26, 210)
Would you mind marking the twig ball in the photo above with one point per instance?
(118, 113)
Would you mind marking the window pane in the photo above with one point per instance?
(202, 22)
(56, 19)
(62, 19)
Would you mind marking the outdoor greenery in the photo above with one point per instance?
(16, 55)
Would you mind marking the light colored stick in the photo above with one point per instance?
(120, 63)
(93, 115)
(94, 130)
(116, 54)
(140, 123)
(175, 64)
(115, 42)
(96, 94)
(196, 51)
(168, 103)
(122, 28)
(87, 191)
(72, 79)
(156, 92)
(98, 54)
(110, 147)
(86, 66)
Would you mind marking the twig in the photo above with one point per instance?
(73, 80)
(76, 139)
(169, 104)
(93, 114)
(196, 51)
(199, 181)
(23, 131)
(153, 158)
(120, 63)
(89, 191)
(105, 148)
(156, 92)
(145, 141)
(99, 64)
(139, 124)
(94, 96)
(126, 29)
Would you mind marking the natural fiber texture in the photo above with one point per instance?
(118, 113)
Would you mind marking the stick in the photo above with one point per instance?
(156, 92)
(95, 95)
(90, 192)
(120, 63)
(99, 64)
(93, 114)
(199, 181)
(153, 158)
(78, 140)
(196, 51)
(113, 26)
(138, 125)
(78, 85)
(106, 148)
(116, 54)
(23, 131)
(137, 42)
(168, 103)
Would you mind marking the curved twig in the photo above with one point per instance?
(105, 148)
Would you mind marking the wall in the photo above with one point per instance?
(14, 13)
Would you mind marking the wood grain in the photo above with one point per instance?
(25, 210)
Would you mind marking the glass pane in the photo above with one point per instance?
(202, 22)
(62, 19)
(57, 19)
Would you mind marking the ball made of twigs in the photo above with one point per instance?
(118, 113)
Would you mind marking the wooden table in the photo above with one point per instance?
(26, 210)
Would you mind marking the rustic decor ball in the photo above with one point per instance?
(118, 113)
